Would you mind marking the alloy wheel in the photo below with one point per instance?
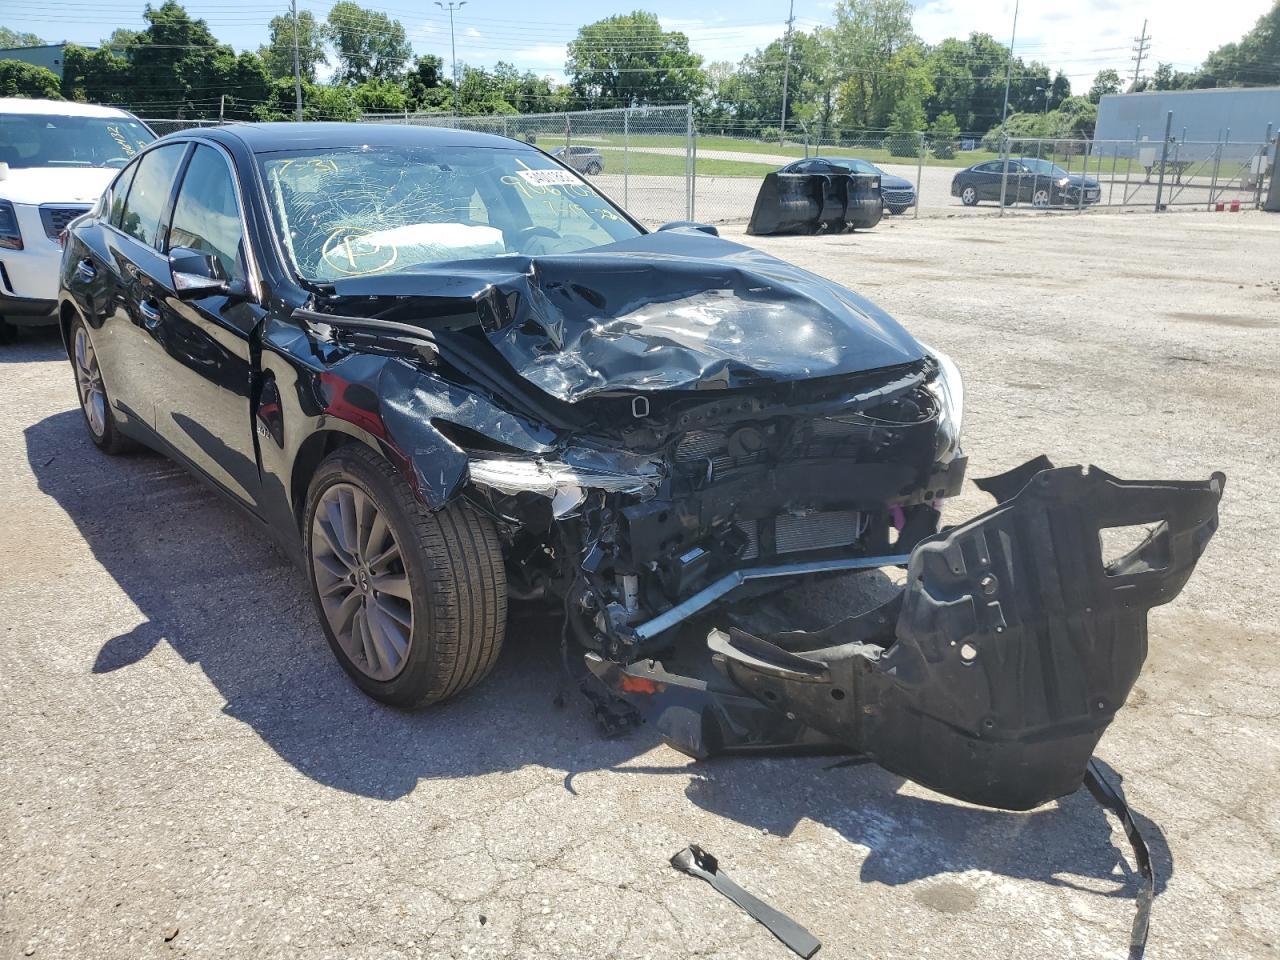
(969, 196)
(361, 580)
(93, 395)
(1041, 199)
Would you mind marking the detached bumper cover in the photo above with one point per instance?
(993, 674)
(815, 203)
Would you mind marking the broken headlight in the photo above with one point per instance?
(948, 389)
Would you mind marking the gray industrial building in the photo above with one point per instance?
(48, 55)
(1239, 115)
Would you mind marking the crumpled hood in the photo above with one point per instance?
(56, 184)
(671, 310)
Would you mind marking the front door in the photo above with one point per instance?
(205, 412)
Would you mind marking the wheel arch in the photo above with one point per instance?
(311, 453)
(67, 315)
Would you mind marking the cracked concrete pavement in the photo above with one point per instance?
(186, 771)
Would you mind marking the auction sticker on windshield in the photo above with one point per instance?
(543, 178)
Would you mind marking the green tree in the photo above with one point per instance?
(628, 59)
(14, 38)
(278, 53)
(1252, 61)
(381, 96)
(750, 96)
(1060, 91)
(368, 43)
(943, 134)
(864, 39)
(21, 79)
(905, 127)
(904, 79)
(175, 67)
(1107, 81)
(425, 85)
(968, 81)
(97, 76)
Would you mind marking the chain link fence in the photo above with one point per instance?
(162, 126)
(925, 175)
(642, 157)
(656, 163)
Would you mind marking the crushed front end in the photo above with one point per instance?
(637, 530)
(666, 431)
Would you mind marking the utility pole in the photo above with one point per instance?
(297, 69)
(786, 74)
(1141, 44)
(453, 49)
(1004, 113)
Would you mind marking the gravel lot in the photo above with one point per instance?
(187, 772)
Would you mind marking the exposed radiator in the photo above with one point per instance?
(795, 533)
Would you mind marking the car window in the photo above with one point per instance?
(206, 215)
(114, 198)
(856, 166)
(51, 140)
(149, 192)
(355, 211)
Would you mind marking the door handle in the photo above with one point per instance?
(150, 312)
(86, 270)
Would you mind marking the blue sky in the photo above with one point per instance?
(1077, 36)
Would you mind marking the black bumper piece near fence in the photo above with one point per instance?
(816, 203)
(993, 674)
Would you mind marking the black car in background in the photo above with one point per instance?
(1032, 180)
(444, 371)
(898, 193)
(586, 160)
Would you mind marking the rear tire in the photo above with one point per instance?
(593, 169)
(443, 615)
(95, 402)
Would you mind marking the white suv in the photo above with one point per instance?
(56, 158)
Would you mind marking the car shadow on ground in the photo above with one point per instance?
(209, 583)
(34, 345)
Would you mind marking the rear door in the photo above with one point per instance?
(204, 414)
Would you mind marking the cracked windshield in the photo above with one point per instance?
(356, 212)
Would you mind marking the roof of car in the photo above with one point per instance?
(270, 137)
(63, 108)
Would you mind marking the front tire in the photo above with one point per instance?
(969, 196)
(92, 391)
(413, 603)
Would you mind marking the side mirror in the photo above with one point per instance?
(196, 274)
(690, 225)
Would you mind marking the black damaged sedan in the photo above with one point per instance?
(445, 371)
